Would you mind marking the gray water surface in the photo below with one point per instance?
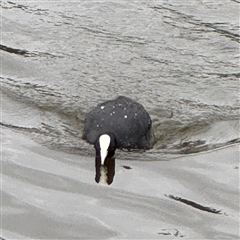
(180, 60)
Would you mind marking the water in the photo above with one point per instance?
(179, 61)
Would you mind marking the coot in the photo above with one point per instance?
(118, 123)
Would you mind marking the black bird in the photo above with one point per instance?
(119, 123)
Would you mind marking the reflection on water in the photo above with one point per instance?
(105, 173)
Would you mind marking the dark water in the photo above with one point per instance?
(180, 60)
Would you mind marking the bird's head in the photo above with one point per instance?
(105, 147)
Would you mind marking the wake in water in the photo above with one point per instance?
(176, 127)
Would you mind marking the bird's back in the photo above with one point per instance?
(125, 118)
